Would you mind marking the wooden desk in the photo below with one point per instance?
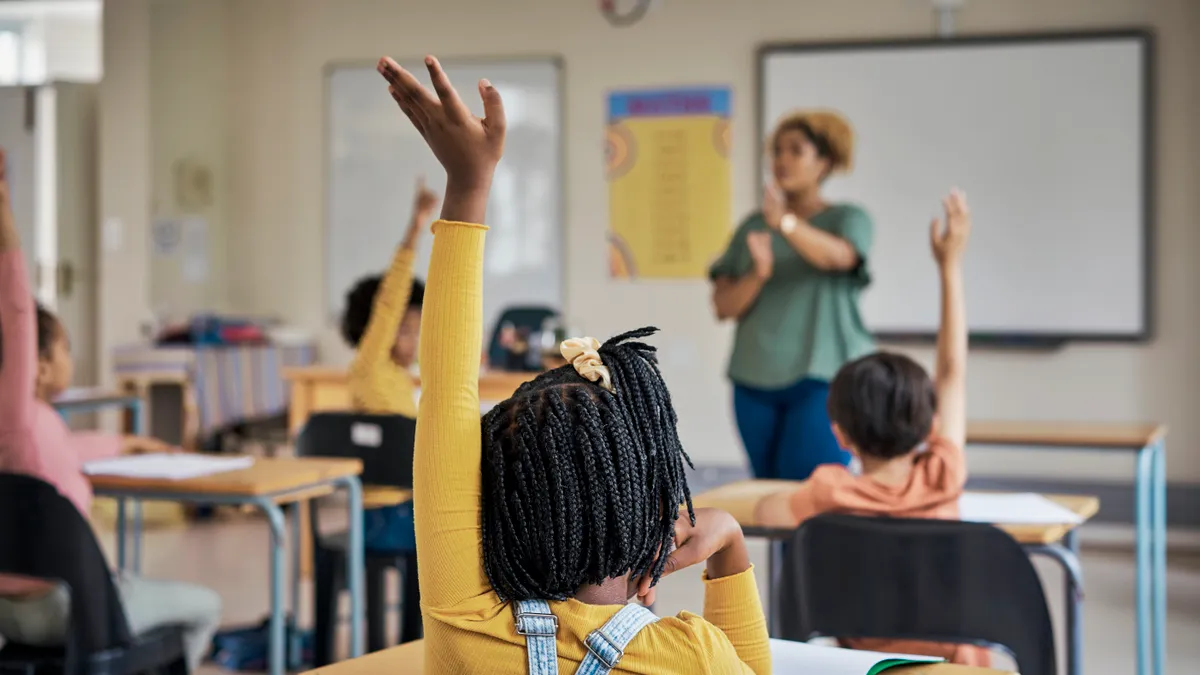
(1147, 443)
(409, 659)
(740, 499)
(1065, 434)
(323, 388)
(267, 484)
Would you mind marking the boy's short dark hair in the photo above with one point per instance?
(884, 403)
(361, 300)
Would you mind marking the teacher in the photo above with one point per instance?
(791, 278)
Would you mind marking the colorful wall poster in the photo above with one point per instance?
(669, 194)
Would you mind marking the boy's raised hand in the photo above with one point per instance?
(948, 239)
(467, 147)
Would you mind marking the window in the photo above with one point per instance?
(11, 46)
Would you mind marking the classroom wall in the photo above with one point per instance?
(271, 218)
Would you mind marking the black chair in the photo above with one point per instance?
(384, 443)
(930, 580)
(43, 536)
(526, 319)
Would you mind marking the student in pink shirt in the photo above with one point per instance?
(35, 367)
(907, 430)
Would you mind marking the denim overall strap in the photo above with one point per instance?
(540, 627)
(606, 645)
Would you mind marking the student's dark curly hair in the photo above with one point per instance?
(581, 485)
(361, 300)
(47, 328)
(884, 402)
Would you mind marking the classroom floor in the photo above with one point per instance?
(231, 556)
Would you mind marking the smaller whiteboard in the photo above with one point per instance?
(374, 157)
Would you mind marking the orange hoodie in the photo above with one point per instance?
(931, 491)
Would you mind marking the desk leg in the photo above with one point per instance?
(1143, 536)
(295, 657)
(120, 534)
(1158, 555)
(355, 563)
(139, 427)
(1066, 555)
(276, 652)
(774, 572)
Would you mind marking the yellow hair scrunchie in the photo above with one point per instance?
(584, 354)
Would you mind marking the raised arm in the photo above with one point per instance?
(948, 240)
(446, 477)
(392, 299)
(18, 332)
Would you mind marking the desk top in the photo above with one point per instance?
(1065, 434)
(409, 659)
(264, 477)
(741, 498)
(89, 396)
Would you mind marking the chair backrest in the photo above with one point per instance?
(527, 318)
(931, 580)
(43, 535)
(384, 443)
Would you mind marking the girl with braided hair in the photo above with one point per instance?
(538, 526)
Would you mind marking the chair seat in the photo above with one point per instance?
(153, 650)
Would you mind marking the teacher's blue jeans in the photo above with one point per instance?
(786, 431)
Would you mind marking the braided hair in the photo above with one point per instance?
(581, 485)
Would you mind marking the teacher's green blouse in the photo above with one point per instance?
(805, 322)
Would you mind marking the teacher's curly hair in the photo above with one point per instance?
(583, 484)
(828, 131)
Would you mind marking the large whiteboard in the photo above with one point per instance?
(1049, 137)
(375, 157)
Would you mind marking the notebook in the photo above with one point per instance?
(798, 658)
(166, 467)
(1014, 509)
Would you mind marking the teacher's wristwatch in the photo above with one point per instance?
(788, 223)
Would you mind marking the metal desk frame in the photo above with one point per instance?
(1150, 533)
(268, 503)
(132, 403)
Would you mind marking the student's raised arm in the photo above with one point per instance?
(18, 331)
(446, 478)
(948, 239)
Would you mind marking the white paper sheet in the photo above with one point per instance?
(798, 658)
(168, 467)
(1024, 508)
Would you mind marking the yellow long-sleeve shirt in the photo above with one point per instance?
(377, 384)
(467, 628)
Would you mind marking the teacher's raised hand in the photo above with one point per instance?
(773, 206)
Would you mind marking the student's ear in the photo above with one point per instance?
(45, 373)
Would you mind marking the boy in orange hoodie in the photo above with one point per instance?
(906, 429)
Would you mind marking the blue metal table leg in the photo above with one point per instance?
(1144, 536)
(294, 652)
(774, 572)
(1159, 559)
(120, 534)
(276, 652)
(139, 427)
(355, 562)
(1074, 606)
(1066, 555)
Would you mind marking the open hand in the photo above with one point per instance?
(761, 254)
(948, 239)
(146, 445)
(467, 147)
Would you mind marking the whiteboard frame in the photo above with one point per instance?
(1143, 37)
(332, 319)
